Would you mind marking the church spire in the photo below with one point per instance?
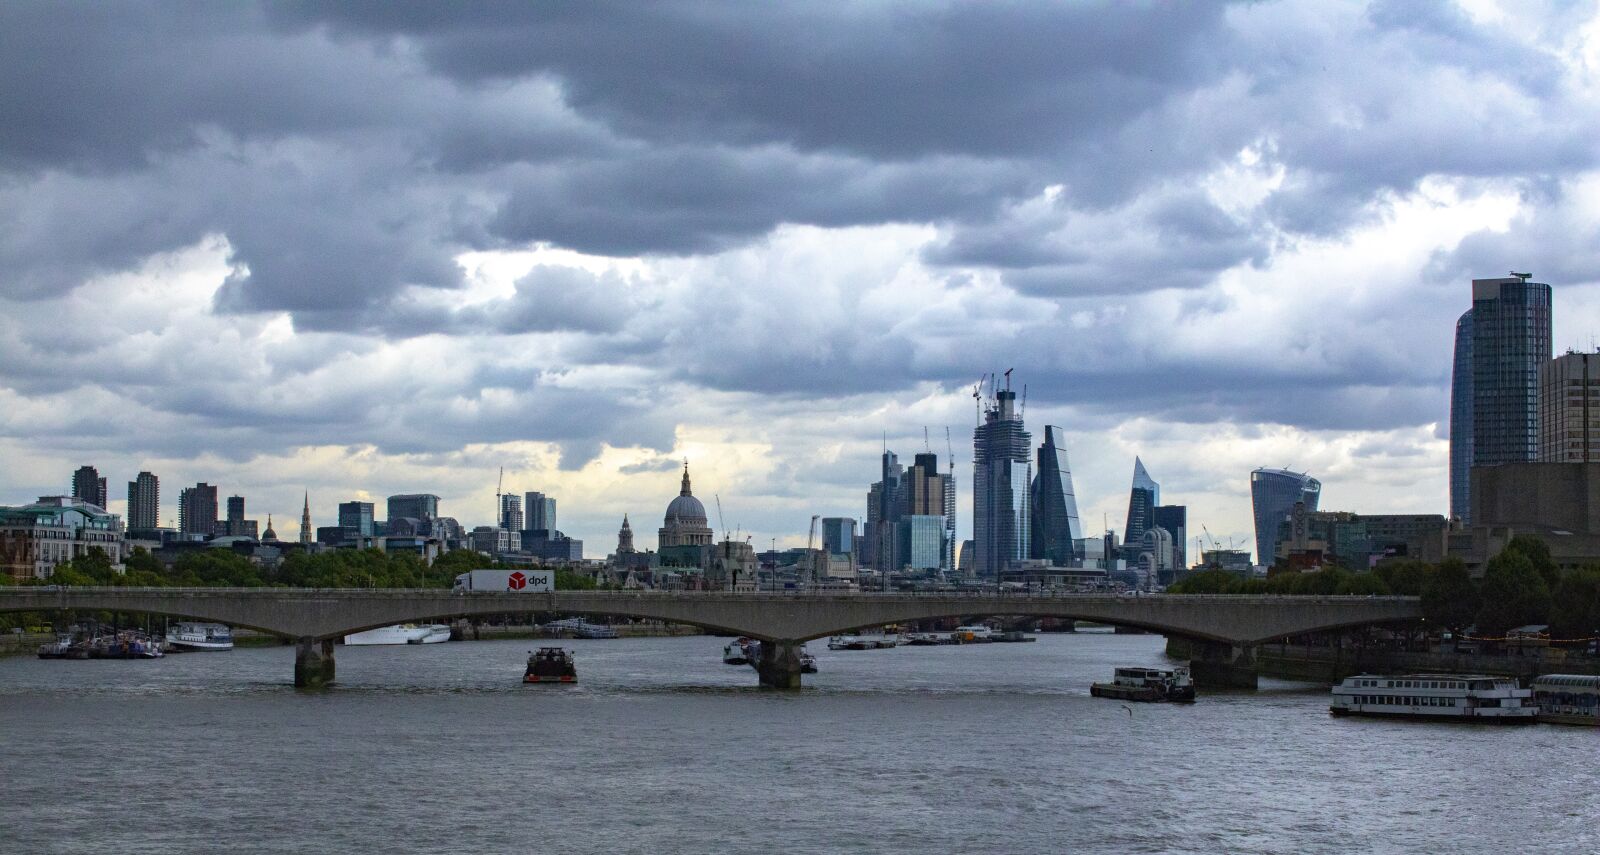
(685, 491)
(305, 521)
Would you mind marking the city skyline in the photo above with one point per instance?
(1264, 291)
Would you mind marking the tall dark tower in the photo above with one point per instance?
(1510, 343)
(1056, 529)
(89, 486)
(625, 537)
(144, 503)
(1001, 477)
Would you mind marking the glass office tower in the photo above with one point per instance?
(1056, 530)
(1461, 420)
(1273, 495)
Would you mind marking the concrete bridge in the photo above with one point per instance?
(1223, 629)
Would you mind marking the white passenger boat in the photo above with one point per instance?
(433, 633)
(975, 633)
(191, 635)
(1568, 698)
(1450, 697)
(405, 633)
(863, 642)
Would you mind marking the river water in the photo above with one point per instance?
(661, 748)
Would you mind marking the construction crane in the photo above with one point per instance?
(977, 399)
(949, 449)
(499, 515)
(811, 554)
(720, 524)
(1214, 544)
(1023, 410)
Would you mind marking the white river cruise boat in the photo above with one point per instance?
(406, 633)
(200, 636)
(1448, 697)
(1568, 698)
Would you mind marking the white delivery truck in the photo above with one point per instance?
(517, 581)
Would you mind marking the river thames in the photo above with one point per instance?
(661, 748)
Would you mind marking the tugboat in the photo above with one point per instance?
(1147, 684)
(550, 665)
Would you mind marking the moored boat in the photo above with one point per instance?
(397, 634)
(1147, 684)
(1442, 697)
(128, 644)
(64, 647)
(550, 665)
(974, 634)
(433, 633)
(191, 635)
(1568, 698)
(739, 652)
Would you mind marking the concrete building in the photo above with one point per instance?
(1559, 503)
(1155, 558)
(1415, 536)
(1273, 495)
(197, 510)
(35, 538)
(89, 486)
(144, 503)
(1569, 409)
(1002, 477)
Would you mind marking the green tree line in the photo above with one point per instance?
(1520, 586)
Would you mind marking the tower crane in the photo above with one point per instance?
(499, 515)
(720, 524)
(811, 554)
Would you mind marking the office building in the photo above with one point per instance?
(929, 493)
(1002, 477)
(197, 509)
(886, 503)
(1175, 519)
(838, 535)
(1510, 343)
(89, 486)
(35, 538)
(1273, 496)
(1142, 500)
(921, 542)
(144, 503)
(1461, 420)
(1569, 409)
(356, 518)
(420, 506)
(539, 511)
(1056, 530)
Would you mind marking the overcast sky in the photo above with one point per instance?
(392, 247)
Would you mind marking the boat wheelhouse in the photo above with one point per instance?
(1447, 697)
(1568, 698)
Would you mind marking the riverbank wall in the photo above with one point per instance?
(1332, 664)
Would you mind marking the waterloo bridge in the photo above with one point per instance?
(1223, 630)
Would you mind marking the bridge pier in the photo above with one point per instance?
(779, 665)
(313, 662)
(1218, 665)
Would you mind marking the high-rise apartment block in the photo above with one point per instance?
(197, 509)
(511, 512)
(89, 486)
(1569, 409)
(1002, 475)
(144, 503)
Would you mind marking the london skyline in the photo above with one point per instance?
(371, 256)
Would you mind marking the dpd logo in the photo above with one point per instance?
(516, 581)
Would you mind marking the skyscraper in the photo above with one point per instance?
(1056, 529)
(1175, 519)
(1273, 495)
(1510, 343)
(1001, 478)
(89, 486)
(1142, 501)
(144, 503)
(197, 509)
(235, 523)
(540, 511)
(1569, 409)
(356, 518)
(1461, 420)
(838, 535)
(511, 512)
(930, 493)
(886, 504)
